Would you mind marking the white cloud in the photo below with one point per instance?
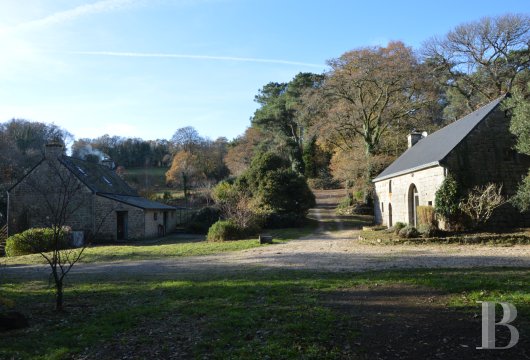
(71, 14)
(194, 57)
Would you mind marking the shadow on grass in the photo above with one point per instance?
(275, 314)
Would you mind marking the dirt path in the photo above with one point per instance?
(327, 249)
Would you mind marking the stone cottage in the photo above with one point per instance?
(99, 202)
(476, 149)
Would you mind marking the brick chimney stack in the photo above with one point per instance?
(53, 150)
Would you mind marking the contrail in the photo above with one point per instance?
(194, 57)
(101, 6)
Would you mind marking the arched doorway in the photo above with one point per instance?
(390, 215)
(414, 202)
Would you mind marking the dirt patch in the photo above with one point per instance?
(173, 337)
(406, 322)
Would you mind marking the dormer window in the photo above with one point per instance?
(81, 170)
(107, 181)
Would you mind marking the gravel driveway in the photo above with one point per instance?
(321, 251)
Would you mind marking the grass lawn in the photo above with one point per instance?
(258, 315)
(167, 247)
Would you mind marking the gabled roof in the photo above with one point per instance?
(105, 182)
(431, 150)
(98, 178)
(139, 202)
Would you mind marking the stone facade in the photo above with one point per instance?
(487, 155)
(31, 203)
(484, 156)
(154, 222)
(392, 200)
(106, 219)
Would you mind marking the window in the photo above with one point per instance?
(155, 216)
(107, 181)
(429, 203)
(382, 207)
(81, 170)
(390, 186)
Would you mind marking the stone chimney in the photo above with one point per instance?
(53, 150)
(108, 163)
(415, 136)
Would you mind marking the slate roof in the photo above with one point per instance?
(105, 182)
(139, 202)
(98, 178)
(433, 149)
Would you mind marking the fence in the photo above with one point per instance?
(3, 238)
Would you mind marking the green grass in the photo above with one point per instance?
(151, 177)
(168, 247)
(273, 314)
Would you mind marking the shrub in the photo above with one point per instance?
(428, 230)
(480, 203)
(398, 226)
(34, 241)
(345, 202)
(202, 220)
(224, 230)
(447, 199)
(409, 232)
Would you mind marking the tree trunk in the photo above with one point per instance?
(58, 295)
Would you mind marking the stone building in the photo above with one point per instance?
(476, 149)
(91, 198)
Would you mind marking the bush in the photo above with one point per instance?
(398, 226)
(34, 241)
(202, 220)
(409, 232)
(278, 221)
(447, 199)
(480, 203)
(428, 230)
(224, 230)
(345, 202)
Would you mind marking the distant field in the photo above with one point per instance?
(146, 177)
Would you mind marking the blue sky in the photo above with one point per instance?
(148, 67)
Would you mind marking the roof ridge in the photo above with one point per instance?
(437, 146)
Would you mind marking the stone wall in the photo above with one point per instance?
(106, 219)
(487, 155)
(32, 202)
(152, 222)
(394, 193)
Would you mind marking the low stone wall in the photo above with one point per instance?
(471, 239)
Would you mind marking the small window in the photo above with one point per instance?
(382, 207)
(155, 216)
(390, 186)
(107, 181)
(429, 203)
(81, 170)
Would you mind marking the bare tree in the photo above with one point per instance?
(479, 61)
(481, 202)
(58, 196)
